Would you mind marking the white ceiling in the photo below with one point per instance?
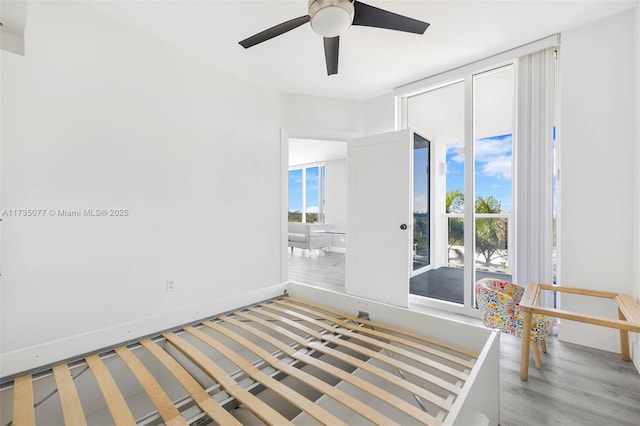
(372, 61)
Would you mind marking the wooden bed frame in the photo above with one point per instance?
(282, 361)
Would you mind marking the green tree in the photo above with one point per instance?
(491, 233)
(455, 201)
(421, 234)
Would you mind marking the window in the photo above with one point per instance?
(306, 194)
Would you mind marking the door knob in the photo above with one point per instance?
(403, 226)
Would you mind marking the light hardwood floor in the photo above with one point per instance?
(575, 386)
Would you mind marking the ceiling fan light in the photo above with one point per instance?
(330, 18)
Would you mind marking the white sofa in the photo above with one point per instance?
(309, 235)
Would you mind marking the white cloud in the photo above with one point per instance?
(490, 148)
(498, 166)
(456, 151)
(493, 156)
(313, 209)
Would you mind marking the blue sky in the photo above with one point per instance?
(295, 190)
(493, 168)
(493, 174)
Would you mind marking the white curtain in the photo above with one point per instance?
(536, 81)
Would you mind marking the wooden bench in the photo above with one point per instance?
(628, 314)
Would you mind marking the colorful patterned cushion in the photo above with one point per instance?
(498, 301)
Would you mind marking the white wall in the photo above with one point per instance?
(597, 139)
(318, 117)
(379, 115)
(100, 116)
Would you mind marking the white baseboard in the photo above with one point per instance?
(47, 353)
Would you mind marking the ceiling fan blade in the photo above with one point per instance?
(370, 16)
(331, 47)
(274, 31)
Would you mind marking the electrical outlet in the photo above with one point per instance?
(170, 285)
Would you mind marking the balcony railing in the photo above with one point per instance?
(493, 241)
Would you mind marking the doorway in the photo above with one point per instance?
(314, 193)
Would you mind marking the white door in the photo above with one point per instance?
(379, 218)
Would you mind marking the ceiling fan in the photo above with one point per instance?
(330, 18)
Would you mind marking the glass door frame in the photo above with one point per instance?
(402, 115)
(429, 189)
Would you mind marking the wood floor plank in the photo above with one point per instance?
(158, 396)
(23, 412)
(258, 407)
(197, 392)
(575, 386)
(69, 398)
(115, 401)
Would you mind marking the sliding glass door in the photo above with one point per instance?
(469, 124)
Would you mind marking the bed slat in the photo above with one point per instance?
(289, 394)
(69, 398)
(158, 396)
(358, 382)
(396, 380)
(416, 357)
(336, 394)
(114, 399)
(199, 395)
(366, 366)
(374, 390)
(456, 360)
(295, 354)
(408, 368)
(257, 406)
(437, 400)
(470, 354)
(23, 413)
(312, 343)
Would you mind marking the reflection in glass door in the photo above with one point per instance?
(421, 248)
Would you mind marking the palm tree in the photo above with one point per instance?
(455, 201)
(491, 233)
